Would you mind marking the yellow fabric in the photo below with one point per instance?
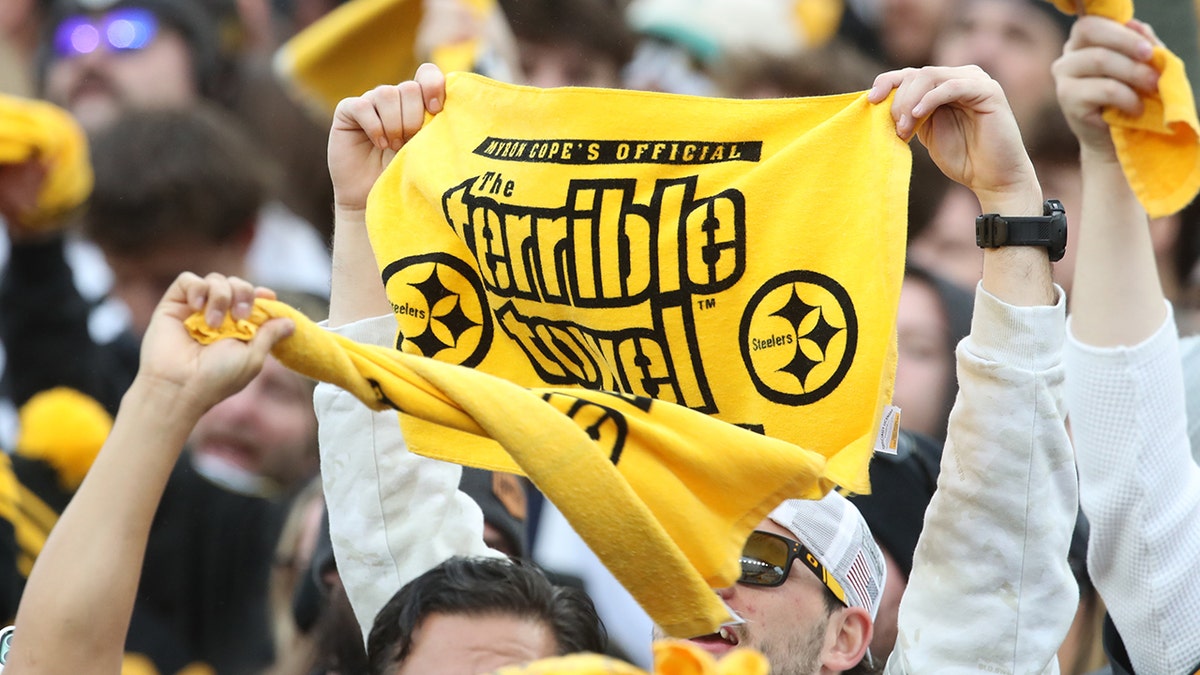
(611, 261)
(817, 20)
(65, 429)
(784, 253)
(362, 44)
(1160, 149)
(666, 512)
(35, 130)
(671, 657)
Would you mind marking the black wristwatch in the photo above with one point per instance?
(993, 230)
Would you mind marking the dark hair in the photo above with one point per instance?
(596, 24)
(483, 587)
(165, 176)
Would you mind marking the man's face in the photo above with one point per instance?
(268, 429)
(909, 28)
(925, 359)
(947, 245)
(566, 65)
(1014, 42)
(96, 85)
(455, 644)
(789, 624)
(140, 279)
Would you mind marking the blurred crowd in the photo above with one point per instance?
(209, 157)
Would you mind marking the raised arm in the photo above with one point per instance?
(392, 515)
(75, 611)
(1139, 485)
(367, 132)
(990, 587)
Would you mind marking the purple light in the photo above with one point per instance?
(85, 38)
(121, 33)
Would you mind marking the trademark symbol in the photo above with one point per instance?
(706, 303)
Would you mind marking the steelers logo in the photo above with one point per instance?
(440, 305)
(798, 336)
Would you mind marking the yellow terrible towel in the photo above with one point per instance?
(1160, 149)
(740, 258)
(34, 130)
(671, 657)
(664, 495)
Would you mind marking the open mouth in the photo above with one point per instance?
(719, 642)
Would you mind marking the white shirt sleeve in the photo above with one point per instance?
(1140, 489)
(392, 515)
(990, 589)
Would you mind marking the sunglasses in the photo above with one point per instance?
(767, 558)
(121, 30)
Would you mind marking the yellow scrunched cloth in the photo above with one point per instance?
(1160, 149)
(671, 657)
(35, 130)
(670, 313)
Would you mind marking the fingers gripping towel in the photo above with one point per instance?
(1160, 149)
(674, 313)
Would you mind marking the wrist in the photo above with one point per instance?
(349, 212)
(1025, 201)
(165, 398)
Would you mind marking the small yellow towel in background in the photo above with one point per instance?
(362, 44)
(1160, 149)
(33, 130)
(671, 657)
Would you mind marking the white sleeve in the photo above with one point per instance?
(1140, 489)
(990, 589)
(392, 515)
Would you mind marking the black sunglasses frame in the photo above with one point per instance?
(795, 551)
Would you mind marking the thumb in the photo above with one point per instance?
(270, 334)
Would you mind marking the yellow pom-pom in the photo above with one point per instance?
(65, 429)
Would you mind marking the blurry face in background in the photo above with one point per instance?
(925, 360)
(141, 279)
(909, 28)
(18, 21)
(95, 81)
(947, 246)
(268, 429)
(566, 65)
(1014, 42)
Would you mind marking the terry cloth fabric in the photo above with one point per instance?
(686, 331)
(740, 258)
(659, 506)
(1160, 149)
(362, 44)
(35, 130)
(671, 657)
